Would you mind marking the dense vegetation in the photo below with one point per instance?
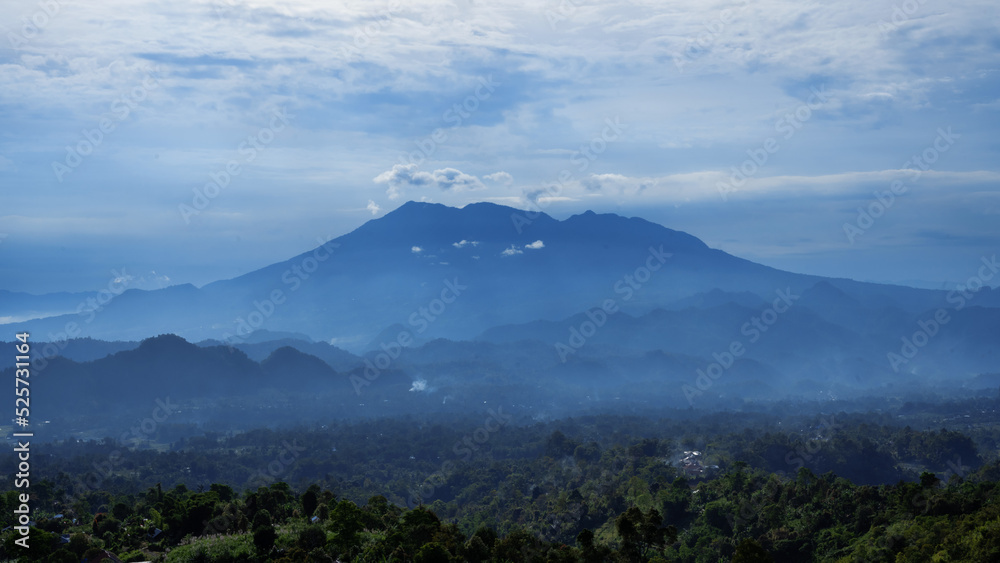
(832, 487)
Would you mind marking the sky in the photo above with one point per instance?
(185, 142)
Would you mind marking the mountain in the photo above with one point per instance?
(433, 308)
(168, 369)
(428, 271)
(334, 357)
(16, 305)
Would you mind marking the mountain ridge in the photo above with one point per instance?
(349, 289)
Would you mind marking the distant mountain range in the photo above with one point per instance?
(439, 271)
(476, 300)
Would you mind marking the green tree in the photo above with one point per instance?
(264, 533)
(310, 500)
(749, 551)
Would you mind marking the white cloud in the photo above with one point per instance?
(231, 59)
(419, 385)
(463, 243)
(512, 251)
(416, 249)
(703, 186)
(373, 207)
(535, 245)
(403, 176)
(502, 178)
(617, 184)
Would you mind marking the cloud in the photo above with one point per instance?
(704, 186)
(403, 176)
(456, 180)
(373, 207)
(513, 250)
(391, 95)
(617, 184)
(419, 385)
(502, 178)
(463, 243)
(416, 249)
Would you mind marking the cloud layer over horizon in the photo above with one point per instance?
(204, 139)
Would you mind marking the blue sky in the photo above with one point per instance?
(760, 127)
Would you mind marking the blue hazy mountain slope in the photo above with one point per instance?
(440, 271)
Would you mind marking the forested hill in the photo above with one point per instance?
(751, 487)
